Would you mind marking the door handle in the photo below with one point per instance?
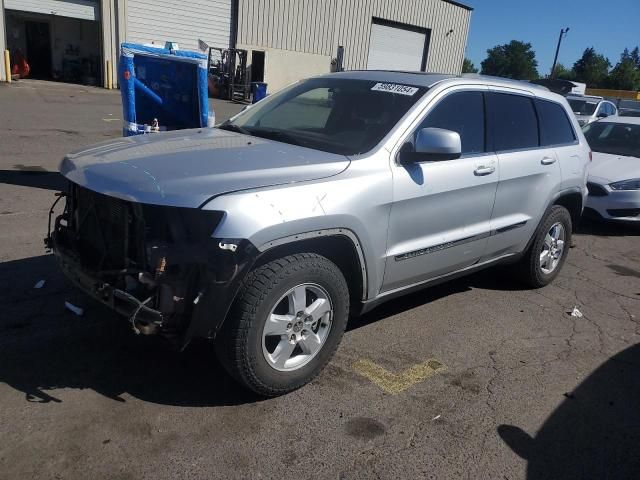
(548, 161)
(482, 170)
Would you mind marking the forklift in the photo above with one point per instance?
(227, 76)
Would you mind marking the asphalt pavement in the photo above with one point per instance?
(478, 378)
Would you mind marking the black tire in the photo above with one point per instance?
(529, 267)
(239, 343)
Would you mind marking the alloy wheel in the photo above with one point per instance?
(297, 327)
(552, 248)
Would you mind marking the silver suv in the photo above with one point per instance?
(317, 203)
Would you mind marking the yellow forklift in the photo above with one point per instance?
(228, 77)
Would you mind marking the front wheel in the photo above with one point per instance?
(548, 252)
(285, 324)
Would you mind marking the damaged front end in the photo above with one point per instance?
(158, 266)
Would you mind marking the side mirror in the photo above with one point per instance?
(434, 144)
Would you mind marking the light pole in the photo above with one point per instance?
(563, 33)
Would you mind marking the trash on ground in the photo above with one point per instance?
(77, 310)
(436, 417)
(576, 313)
(40, 284)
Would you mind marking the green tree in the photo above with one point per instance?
(468, 66)
(512, 60)
(563, 73)
(592, 68)
(635, 56)
(625, 75)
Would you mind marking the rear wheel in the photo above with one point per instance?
(285, 324)
(548, 252)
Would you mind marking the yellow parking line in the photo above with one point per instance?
(397, 383)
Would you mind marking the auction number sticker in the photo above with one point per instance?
(395, 88)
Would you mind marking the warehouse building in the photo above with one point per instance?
(76, 40)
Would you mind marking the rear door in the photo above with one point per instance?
(529, 172)
(556, 131)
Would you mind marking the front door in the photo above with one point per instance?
(440, 218)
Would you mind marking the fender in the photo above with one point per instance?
(552, 202)
(347, 206)
(326, 233)
(229, 266)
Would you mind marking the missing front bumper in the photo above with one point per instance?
(174, 279)
(143, 318)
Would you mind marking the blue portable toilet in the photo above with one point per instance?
(163, 89)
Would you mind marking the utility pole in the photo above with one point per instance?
(563, 33)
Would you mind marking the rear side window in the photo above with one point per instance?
(514, 124)
(555, 127)
(461, 112)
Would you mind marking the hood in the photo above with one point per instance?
(606, 168)
(584, 119)
(186, 168)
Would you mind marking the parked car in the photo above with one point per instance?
(589, 108)
(614, 175)
(320, 201)
(629, 112)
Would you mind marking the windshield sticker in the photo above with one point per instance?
(394, 88)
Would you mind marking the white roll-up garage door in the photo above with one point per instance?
(181, 21)
(83, 9)
(394, 48)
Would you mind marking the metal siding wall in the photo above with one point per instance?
(318, 27)
(183, 21)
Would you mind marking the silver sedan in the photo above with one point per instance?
(614, 174)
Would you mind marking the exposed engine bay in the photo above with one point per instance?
(153, 264)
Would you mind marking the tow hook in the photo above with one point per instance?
(228, 246)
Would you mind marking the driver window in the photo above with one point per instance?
(461, 112)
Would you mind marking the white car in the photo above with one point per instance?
(614, 173)
(588, 108)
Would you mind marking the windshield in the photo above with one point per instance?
(614, 138)
(583, 107)
(336, 115)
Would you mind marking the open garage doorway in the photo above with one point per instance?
(53, 47)
(38, 43)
